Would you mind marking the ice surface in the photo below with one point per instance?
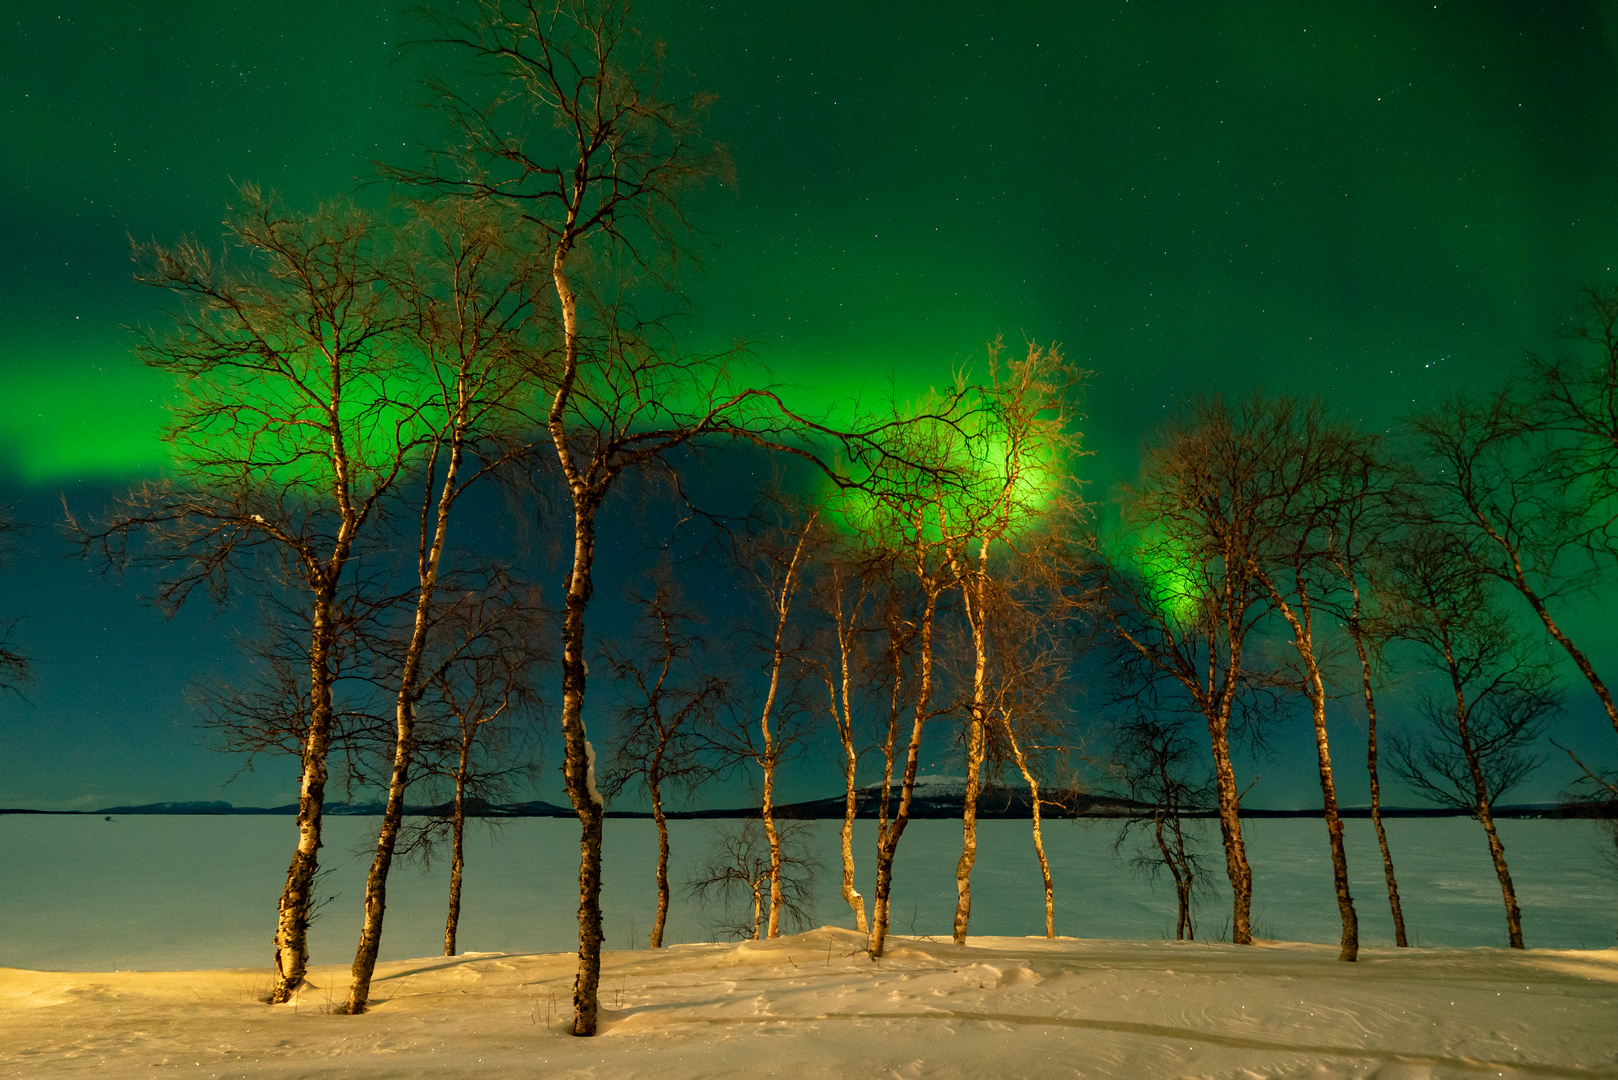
(200, 892)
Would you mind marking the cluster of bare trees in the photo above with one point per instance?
(358, 383)
(350, 375)
(1267, 521)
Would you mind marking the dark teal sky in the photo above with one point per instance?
(1377, 202)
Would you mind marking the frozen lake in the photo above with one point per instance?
(156, 892)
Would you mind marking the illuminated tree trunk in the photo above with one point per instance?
(404, 745)
(973, 599)
(655, 786)
(1039, 840)
(782, 602)
(297, 899)
(1300, 621)
(889, 843)
(292, 926)
(1376, 781)
(1483, 803)
(843, 717)
(457, 851)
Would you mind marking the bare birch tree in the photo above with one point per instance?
(473, 322)
(1364, 528)
(671, 697)
(1482, 466)
(1498, 691)
(1154, 759)
(288, 442)
(1182, 596)
(742, 862)
(1021, 474)
(842, 589)
(479, 706)
(1313, 465)
(576, 135)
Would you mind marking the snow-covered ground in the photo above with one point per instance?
(813, 1005)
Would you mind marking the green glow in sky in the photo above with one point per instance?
(1375, 202)
(71, 416)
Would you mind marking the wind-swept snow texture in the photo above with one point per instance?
(814, 1006)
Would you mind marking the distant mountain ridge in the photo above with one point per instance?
(933, 797)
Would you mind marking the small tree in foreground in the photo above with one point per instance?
(478, 708)
(669, 699)
(775, 878)
(1154, 762)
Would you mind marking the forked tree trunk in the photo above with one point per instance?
(297, 896)
(889, 843)
(1376, 781)
(1182, 879)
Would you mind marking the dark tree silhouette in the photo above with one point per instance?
(671, 691)
(1154, 762)
(1497, 690)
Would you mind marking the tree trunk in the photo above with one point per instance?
(1182, 885)
(1519, 578)
(974, 744)
(1039, 839)
(662, 865)
(844, 718)
(579, 770)
(376, 882)
(404, 745)
(1230, 831)
(1508, 892)
(767, 816)
(890, 841)
(1301, 622)
(1376, 781)
(1483, 800)
(297, 899)
(850, 807)
(457, 860)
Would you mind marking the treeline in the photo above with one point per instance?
(364, 392)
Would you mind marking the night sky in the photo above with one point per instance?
(1381, 203)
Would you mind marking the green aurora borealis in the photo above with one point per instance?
(1379, 202)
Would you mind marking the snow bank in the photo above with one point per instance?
(812, 1006)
